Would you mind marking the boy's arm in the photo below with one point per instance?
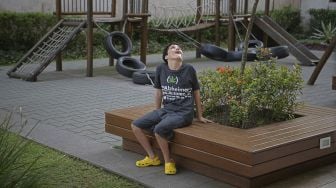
(200, 117)
(158, 98)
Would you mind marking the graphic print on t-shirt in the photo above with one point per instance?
(174, 92)
(172, 79)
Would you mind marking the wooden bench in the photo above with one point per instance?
(242, 157)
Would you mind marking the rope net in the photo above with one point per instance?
(45, 50)
(172, 17)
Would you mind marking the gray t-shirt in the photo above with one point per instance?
(178, 88)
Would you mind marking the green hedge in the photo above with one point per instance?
(288, 18)
(20, 31)
(319, 15)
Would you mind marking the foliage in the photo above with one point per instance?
(288, 18)
(24, 163)
(14, 171)
(326, 32)
(317, 16)
(20, 31)
(265, 93)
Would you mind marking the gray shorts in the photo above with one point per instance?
(161, 122)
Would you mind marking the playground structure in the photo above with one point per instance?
(84, 14)
(135, 15)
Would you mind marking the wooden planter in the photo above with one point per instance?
(243, 157)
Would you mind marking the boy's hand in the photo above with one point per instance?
(204, 120)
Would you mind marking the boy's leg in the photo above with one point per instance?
(164, 131)
(146, 122)
(143, 140)
(163, 143)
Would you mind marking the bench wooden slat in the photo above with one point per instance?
(295, 135)
(287, 149)
(188, 152)
(201, 168)
(253, 156)
(315, 125)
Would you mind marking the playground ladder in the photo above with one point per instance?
(46, 49)
(280, 35)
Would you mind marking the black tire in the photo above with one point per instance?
(251, 44)
(213, 52)
(279, 51)
(110, 41)
(237, 56)
(140, 77)
(126, 66)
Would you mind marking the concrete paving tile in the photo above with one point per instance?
(329, 185)
(71, 109)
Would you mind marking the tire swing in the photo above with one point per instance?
(251, 44)
(144, 77)
(114, 38)
(215, 52)
(126, 66)
(279, 51)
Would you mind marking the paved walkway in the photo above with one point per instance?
(68, 109)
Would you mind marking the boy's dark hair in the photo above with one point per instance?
(165, 51)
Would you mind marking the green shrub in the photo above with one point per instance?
(288, 18)
(326, 33)
(20, 31)
(317, 16)
(265, 93)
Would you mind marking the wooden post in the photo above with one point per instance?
(89, 41)
(322, 61)
(231, 32)
(59, 17)
(246, 5)
(113, 14)
(198, 35)
(267, 7)
(144, 32)
(217, 20)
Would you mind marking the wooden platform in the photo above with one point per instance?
(243, 158)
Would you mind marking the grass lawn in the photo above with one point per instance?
(60, 170)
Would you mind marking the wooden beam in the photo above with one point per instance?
(89, 41)
(231, 32)
(267, 7)
(144, 31)
(322, 61)
(59, 17)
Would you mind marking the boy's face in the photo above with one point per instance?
(175, 52)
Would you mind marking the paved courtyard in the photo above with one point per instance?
(68, 109)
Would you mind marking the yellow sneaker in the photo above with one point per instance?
(148, 162)
(170, 168)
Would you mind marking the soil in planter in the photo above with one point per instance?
(315, 46)
(221, 116)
